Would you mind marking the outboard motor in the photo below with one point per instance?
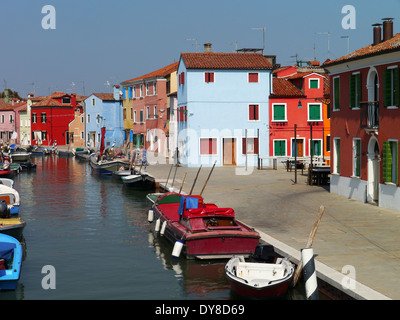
(265, 253)
(4, 211)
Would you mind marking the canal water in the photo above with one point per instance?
(92, 234)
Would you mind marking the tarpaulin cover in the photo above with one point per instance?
(6, 250)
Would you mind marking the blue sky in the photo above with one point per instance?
(96, 41)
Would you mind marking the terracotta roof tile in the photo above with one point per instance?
(285, 88)
(226, 61)
(387, 46)
(105, 96)
(163, 72)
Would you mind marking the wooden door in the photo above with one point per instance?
(300, 147)
(229, 152)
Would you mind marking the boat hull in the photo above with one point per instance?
(13, 227)
(10, 276)
(108, 167)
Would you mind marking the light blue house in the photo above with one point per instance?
(104, 110)
(222, 108)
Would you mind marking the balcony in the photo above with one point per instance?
(369, 112)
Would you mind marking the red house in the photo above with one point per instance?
(365, 120)
(299, 102)
(50, 118)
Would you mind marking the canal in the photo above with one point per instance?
(93, 232)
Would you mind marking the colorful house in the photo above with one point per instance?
(299, 102)
(146, 106)
(364, 120)
(77, 126)
(7, 121)
(104, 110)
(223, 108)
(50, 118)
(22, 124)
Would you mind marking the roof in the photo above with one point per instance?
(226, 61)
(285, 88)
(163, 72)
(393, 44)
(105, 96)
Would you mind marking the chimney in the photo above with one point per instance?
(207, 47)
(377, 34)
(387, 28)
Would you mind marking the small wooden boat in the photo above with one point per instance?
(138, 180)
(259, 279)
(19, 154)
(10, 262)
(13, 227)
(201, 230)
(8, 169)
(107, 166)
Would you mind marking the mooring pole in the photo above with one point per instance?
(309, 274)
(183, 181)
(194, 182)
(208, 178)
(166, 183)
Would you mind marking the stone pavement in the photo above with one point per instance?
(354, 240)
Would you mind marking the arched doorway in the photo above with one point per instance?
(373, 170)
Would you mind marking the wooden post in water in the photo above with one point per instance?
(208, 178)
(173, 180)
(194, 182)
(166, 182)
(309, 243)
(183, 181)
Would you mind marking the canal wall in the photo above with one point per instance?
(355, 253)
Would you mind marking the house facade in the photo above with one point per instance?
(223, 108)
(364, 119)
(299, 102)
(104, 110)
(146, 103)
(50, 118)
(7, 122)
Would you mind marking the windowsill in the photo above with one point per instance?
(355, 108)
(392, 107)
(355, 177)
(390, 184)
(279, 121)
(335, 174)
(314, 120)
(334, 110)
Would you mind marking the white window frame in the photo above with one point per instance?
(336, 156)
(309, 147)
(309, 83)
(208, 155)
(355, 140)
(308, 111)
(273, 112)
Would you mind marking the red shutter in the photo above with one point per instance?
(243, 145)
(185, 113)
(183, 78)
(255, 145)
(211, 76)
(253, 77)
(256, 112)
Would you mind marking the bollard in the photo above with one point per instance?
(309, 274)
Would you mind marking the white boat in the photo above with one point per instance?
(259, 279)
(20, 155)
(11, 196)
(132, 178)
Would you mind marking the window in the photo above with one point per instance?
(147, 89)
(336, 93)
(181, 78)
(336, 155)
(155, 88)
(134, 116)
(252, 146)
(124, 93)
(155, 112)
(391, 87)
(279, 112)
(131, 113)
(141, 116)
(141, 90)
(314, 112)
(82, 135)
(316, 147)
(43, 117)
(34, 117)
(82, 119)
(209, 77)
(279, 148)
(44, 135)
(130, 92)
(355, 90)
(2, 118)
(253, 112)
(314, 83)
(134, 91)
(253, 77)
(328, 143)
(66, 101)
(11, 118)
(356, 157)
(147, 112)
(124, 113)
(390, 161)
(208, 146)
(88, 118)
(98, 118)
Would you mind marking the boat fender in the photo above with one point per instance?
(150, 216)
(157, 228)
(164, 225)
(4, 210)
(176, 252)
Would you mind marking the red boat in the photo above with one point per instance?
(202, 230)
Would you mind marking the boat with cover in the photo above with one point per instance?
(107, 166)
(10, 262)
(259, 279)
(10, 195)
(19, 154)
(201, 230)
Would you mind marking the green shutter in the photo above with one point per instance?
(386, 88)
(387, 162)
(313, 84)
(314, 112)
(359, 87)
(396, 145)
(352, 91)
(279, 148)
(358, 158)
(279, 112)
(396, 87)
(336, 93)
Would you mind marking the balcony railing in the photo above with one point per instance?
(369, 114)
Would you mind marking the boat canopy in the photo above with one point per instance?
(6, 250)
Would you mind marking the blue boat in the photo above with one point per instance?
(10, 262)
